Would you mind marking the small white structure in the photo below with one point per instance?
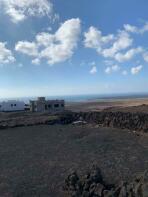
(12, 105)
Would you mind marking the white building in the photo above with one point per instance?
(12, 105)
(43, 105)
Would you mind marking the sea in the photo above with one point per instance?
(86, 97)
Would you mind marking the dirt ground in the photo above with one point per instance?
(34, 161)
(115, 104)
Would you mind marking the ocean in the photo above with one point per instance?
(88, 97)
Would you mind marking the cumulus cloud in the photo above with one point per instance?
(145, 56)
(121, 57)
(95, 39)
(19, 10)
(144, 29)
(56, 47)
(93, 70)
(124, 72)
(6, 55)
(113, 68)
(123, 41)
(136, 70)
(134, 29)
(107, 46)
(44, 38)
(28, 48)
(118, 47)
(130, 28)
(36, 61)
(108, 70)
(108, 62)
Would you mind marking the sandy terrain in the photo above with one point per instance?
(35, 160)
(101, 105)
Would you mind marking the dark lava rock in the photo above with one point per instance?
(95, 175)
(123, 120)
(137, 121)
(92, 185)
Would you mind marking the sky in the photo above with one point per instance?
(73, 47)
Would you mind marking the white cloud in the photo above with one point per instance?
(49, 29)
(56, 47)
(92, 63)
(63, 42)
(108, 62)
(93, 70)
(145, 56)
(44, 39)
(120, 57)
(144, 29)
(113, 68)
(107, 46)
(115, 47)
(6, 55)
(136, 70)
(130, 28)
(28, 48)
(19, 10)
(124, 72)
(134, 29)
(94, 38)
(108, 70)
(123, 41)
(36, 61)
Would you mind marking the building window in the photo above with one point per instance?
(45, 107)
(49, 106)
(11, 105)
(56, 105)
(62, 105)
(0, 106)
(15, 105)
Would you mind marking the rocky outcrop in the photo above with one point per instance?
(92, 185)
(122, 120)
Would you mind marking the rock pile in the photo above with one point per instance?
(92, 185)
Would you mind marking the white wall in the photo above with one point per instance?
(12, 106)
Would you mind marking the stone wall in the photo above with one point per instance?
(123, 120)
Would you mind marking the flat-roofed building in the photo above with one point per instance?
(12, 105)
(43, 105)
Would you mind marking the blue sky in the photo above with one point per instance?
(73, 47)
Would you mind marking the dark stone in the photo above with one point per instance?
(92, 185)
